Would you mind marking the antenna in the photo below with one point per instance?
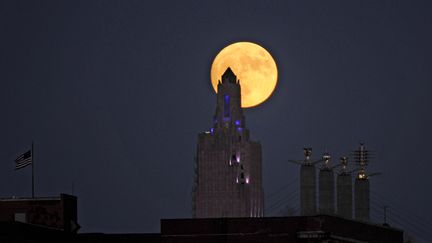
(362, 158)
(373, 174)
(385, 215)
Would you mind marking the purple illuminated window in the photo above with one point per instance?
(237, 122)
(227, 106)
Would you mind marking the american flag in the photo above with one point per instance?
(23, 160)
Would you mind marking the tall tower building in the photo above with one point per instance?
(228, 180)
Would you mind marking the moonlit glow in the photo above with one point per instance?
(254, 67)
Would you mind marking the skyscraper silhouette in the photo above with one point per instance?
(228, 180)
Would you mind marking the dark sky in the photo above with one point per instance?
(114, 94)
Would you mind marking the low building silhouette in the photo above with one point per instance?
(57, 213)
(313, 229)
(53, 219)
(319, 228)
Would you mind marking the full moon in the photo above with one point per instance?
(254, 67)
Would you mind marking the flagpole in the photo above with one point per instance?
(32, 154)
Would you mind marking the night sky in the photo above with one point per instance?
(114, 93)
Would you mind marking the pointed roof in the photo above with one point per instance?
(229, 76)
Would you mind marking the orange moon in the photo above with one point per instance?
(254, 67)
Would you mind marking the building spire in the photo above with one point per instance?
(229, 76)
(229, 114)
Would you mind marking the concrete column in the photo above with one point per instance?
(307, 190)
(361, 199)
(326, 191)
(344, 195)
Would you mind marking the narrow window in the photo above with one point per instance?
(226, 106)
